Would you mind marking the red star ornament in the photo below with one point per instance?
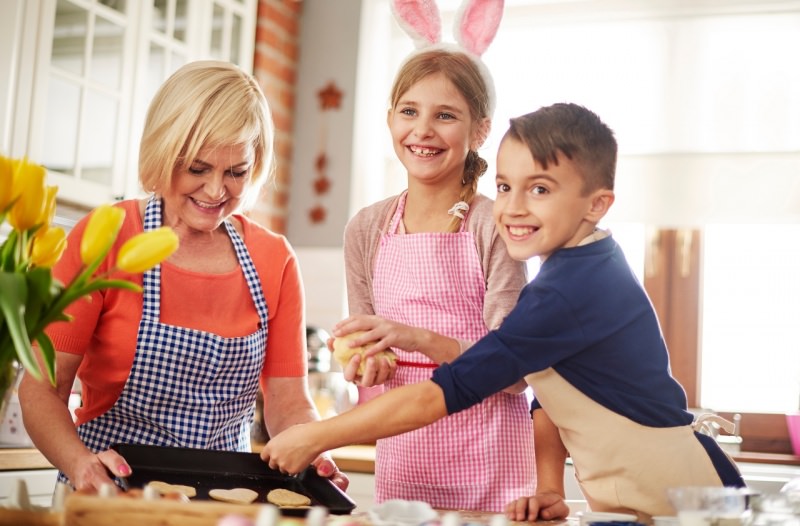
(317, 214)
(321, 185)
(321, 163)
(330, 97)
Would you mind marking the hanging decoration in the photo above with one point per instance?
(330, 98)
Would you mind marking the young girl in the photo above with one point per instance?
(427, 275)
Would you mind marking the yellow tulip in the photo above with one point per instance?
(49, 211)
(100, 233)
(8, 189)
(147, 250)
(48, 245)
(28, 210)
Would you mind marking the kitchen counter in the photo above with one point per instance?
(357, 459)
(13, 459)
(83, 510)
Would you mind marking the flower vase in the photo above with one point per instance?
(10, 374)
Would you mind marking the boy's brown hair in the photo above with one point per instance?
(577, 133)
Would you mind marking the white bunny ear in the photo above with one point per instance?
(420, 19)
(476, 24)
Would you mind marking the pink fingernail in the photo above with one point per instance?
(123, 469)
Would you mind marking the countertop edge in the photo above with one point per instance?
(356, 459)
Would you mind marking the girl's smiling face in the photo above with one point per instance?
(537, 210)
(432, 130)
(207, 190)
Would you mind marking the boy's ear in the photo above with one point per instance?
(602, 200)
(481, 132)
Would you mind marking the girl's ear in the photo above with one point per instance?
(420, 19)
(480, 133)
(601, 202)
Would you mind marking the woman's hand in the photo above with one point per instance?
(292, 450)
(545, 506)
(327, 468)
(90, 472)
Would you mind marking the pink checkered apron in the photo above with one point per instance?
(478, 459)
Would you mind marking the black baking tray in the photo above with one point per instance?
(207, 469)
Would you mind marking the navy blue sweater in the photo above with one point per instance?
(587, 316)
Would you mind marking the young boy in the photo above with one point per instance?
(583, 334)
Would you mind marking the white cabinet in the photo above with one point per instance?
(77, 78)
(40, 483)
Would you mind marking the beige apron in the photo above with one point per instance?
(624, 467)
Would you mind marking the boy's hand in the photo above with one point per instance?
(545, 506)
(292, 450)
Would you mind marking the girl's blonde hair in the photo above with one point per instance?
(206, 104)
(461, 70)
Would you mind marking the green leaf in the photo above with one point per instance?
(42, 284)
(39, 282)
(48, 354)
(7, 261)
(110, 284)
(13, 296)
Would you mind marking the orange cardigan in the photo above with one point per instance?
(104, 329)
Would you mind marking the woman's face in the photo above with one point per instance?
(206, 190)
(432, 130)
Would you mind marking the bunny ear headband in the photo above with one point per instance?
(475, 27)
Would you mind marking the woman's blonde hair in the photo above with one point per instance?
(206, 104)
(461, 70)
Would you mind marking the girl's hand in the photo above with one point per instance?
(377, 370)
(382, 334)
(90, 472)
(545, 506)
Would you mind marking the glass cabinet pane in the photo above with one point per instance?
(69, 37)
(236, 40)
(218, 33)
(98, 137)
(181, 17)
(117, 5)
(60, 133)
(107, 52)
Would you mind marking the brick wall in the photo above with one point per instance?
(275, 67)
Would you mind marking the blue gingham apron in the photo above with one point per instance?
(187, 388)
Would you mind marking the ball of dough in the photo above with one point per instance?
(342, 351)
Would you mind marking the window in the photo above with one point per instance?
(705, 112)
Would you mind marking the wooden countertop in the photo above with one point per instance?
(83, 510)
(356, 459)
(22, 458)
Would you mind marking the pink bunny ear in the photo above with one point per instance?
(476, 24)
(420, 19)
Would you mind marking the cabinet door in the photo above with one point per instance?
(96, 65)
(84, 122)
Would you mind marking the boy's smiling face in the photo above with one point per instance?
(537, 210)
